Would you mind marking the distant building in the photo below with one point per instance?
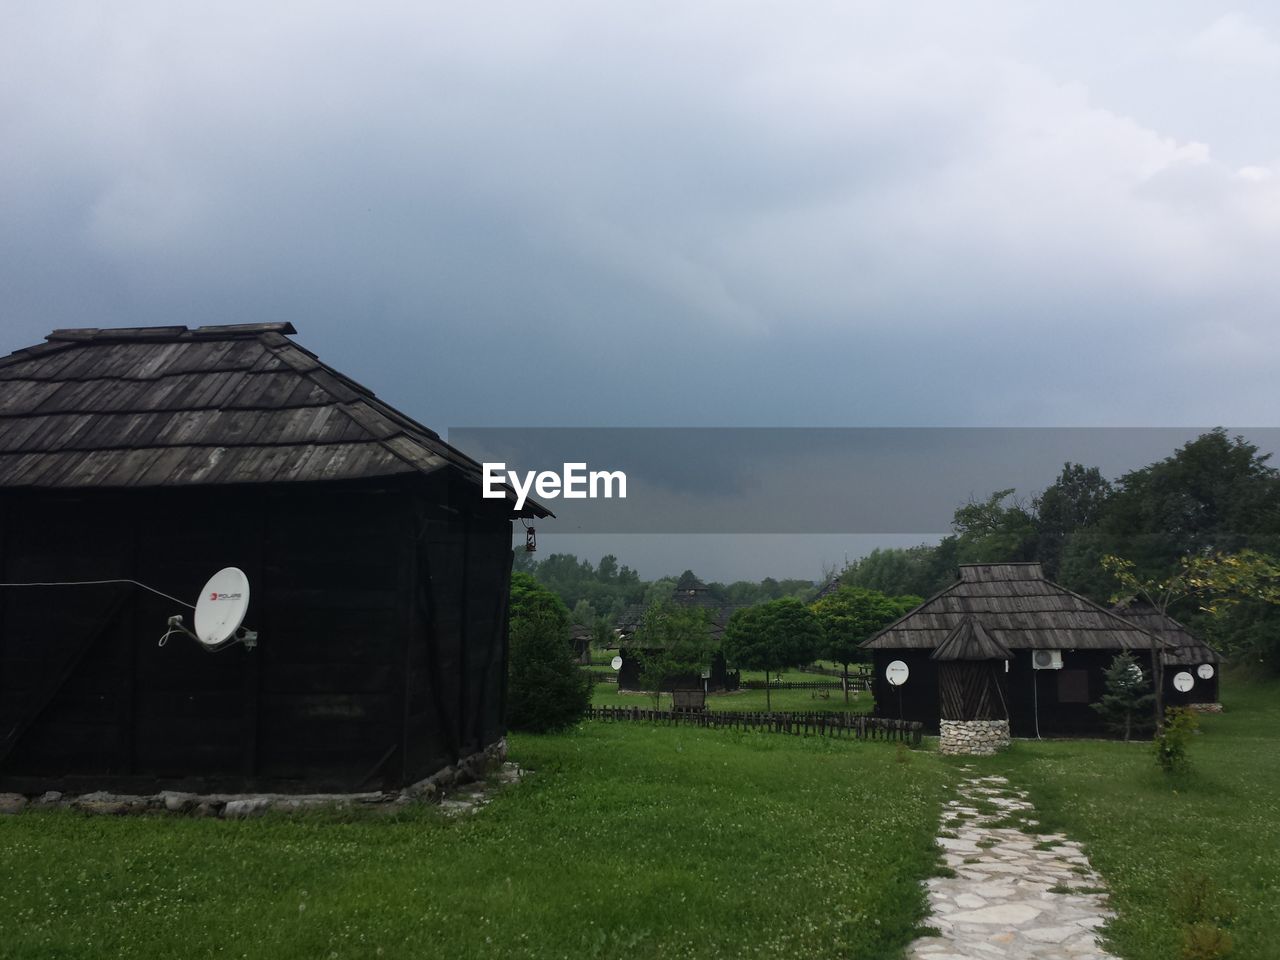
(1188, 661)
(1008, 607)
(378, 574)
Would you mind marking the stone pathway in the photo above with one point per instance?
(1016, 895)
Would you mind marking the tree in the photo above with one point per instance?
(900, 571)
(771, 637)
(1127, 700)
(851, 615)
(584, 614)
(602, 635)
(991, 531)
(530, 598)
(1215, 581)
(546, 690)
(670, 640)
(1216, 494)
(1074, 501)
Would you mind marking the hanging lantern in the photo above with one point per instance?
(530, 540)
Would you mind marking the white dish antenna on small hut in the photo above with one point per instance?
(896, 673)
(219, 613)
(1205, 671)
(1183, 681)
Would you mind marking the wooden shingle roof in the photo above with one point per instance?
(1019, 608)
(169, 406)
(970, 641)
(1185, 649)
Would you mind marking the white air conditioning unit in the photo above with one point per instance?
(1046, 659)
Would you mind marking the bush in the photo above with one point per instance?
(547, 691)
(1180, 725)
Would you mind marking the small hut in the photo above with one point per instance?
(1189, 662)
(971, 697)
(158, 455)
(1060, 646)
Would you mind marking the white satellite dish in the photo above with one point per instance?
(220, 612)
(1135, 671)
(221, 607)
(616, 663)
(1183, 681)
(1205, 671)
(896, 673)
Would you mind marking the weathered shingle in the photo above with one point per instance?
(1185, 648)
(1019, 609)
(169, 406)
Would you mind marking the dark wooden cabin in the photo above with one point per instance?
(689, 591)
(1186, 653)
(378, 574)
(1025, 613)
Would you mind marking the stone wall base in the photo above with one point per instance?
(232, 806)
(1206, 707)
(973, 737)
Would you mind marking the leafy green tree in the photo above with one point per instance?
(602, 636)
(1126, 704)
(1215, 494)
(772, 636)
(584, 614)
(670, 640)
(530, 598)
(1216, 582)
(993, 531)
(1075, 501)
(851, 615)
(546, 690)
(902, 571)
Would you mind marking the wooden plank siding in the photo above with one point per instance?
(360, 647)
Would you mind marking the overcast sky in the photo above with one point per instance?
(671, 213)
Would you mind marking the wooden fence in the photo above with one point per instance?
(816, 724)
(799, 684)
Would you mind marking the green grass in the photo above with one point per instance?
(626, 840)
(608, 695)
(1154, 838)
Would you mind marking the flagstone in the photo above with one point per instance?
(1001, 904)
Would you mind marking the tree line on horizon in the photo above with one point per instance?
(1217, 494)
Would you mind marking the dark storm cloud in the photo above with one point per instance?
(686, 214)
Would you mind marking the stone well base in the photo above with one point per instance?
(973, 737)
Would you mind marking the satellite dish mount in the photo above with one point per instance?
(219, 616)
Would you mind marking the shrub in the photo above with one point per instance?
(1204, 941)
(1180, 725)
(547, 691)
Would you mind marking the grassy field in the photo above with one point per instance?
(626, 840)
(1156, 839)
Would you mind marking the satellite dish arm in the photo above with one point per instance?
(242, 635)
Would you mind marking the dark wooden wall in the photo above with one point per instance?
(382, 620)
(1204, 691)
(1022, 687)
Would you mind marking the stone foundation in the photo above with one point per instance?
(973, 737)
(1205, 707)
(234, 806)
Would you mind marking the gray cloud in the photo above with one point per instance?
(721, 213)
